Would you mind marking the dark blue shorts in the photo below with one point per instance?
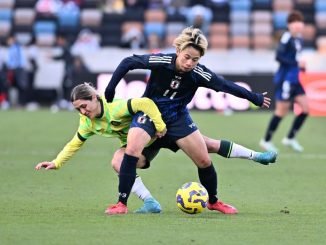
(286, 91)
(177, 129)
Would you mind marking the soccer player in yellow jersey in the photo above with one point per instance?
(97, 117)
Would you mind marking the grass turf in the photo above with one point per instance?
(279, 204)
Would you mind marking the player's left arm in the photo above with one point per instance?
(218, 83)
(147, 106)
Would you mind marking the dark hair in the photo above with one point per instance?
(295, 16)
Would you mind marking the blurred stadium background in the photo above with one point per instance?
(280, 204)
(242, 36)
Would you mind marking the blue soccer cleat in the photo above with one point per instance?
(150, 206)
(266, 157)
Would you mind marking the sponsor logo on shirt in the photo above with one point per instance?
(115, 123)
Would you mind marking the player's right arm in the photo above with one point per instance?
(65, 154)
(148, 106)
(127, 64)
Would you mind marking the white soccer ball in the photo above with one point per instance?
(192, 198)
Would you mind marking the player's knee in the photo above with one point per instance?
(204, 162)
(116, 164)
(134, 151)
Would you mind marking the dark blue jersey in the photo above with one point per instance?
(286, 55)
(171, 90)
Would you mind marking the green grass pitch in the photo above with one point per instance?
(280, 204)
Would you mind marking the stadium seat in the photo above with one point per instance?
(244, 5)
(239, 16)
(24, 16)
(282, 5)
(174, 27)
(261, 28)
(262, 42)
(23, 38)
(68, 20)
(309, 33)
(5, 28)
(241, 28)
(261, 16)
(5, 23)
(155, 23)
(91, 18)
(219, 29)
(45, 39)
(218, 41)
(128, 25)
(279, 20)
(320, 6)
(320, 19)
(41, 26)
(5, 15)
(155, 15)
(240, 42)
(7, 4)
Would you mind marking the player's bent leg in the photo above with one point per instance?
(229, 149)
(194, 146)
(118, 157)
(151, 205)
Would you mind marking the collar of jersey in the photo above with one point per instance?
(172, 65)
(102, 109)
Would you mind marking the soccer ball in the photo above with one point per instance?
(192, 198)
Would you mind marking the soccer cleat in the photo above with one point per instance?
(150, 206)
(293, 143)
(118, 208)
(222, 207)
(265, 158)
(267, 145)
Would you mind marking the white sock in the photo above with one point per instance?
(140, 190)
(239, 151)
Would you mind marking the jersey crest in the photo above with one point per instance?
(142, 119)
(175, 84)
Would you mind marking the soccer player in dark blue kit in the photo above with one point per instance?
(172, 84)
(287, 84)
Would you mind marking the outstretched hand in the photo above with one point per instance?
(46, 165)
(267, 101)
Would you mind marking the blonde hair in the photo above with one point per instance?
(191, 37)
(83, 91)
